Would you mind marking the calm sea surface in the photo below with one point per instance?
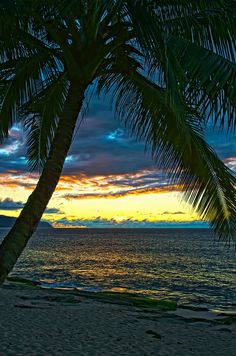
(185, 265)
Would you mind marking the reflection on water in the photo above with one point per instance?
(181, 264)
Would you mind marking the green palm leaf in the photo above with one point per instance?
(177, 141)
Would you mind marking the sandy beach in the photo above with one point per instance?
(35, 321)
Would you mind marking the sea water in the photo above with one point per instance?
(185, 265)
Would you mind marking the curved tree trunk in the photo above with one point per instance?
(17, 238)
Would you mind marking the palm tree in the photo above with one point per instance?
(170, 66)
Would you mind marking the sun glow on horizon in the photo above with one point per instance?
(115, 200)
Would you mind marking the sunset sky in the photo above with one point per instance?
(108, 180)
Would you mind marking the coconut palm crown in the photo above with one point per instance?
(170, 68)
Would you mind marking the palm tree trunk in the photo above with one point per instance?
(17, 238)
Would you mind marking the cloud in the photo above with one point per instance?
(173, 213)
(231, 163)
(102, 147)
(52, 211)
(99, 222)
(116, 186)
(9, 204)
(115, 135)
(13, 178)
(126, 192)
(13, 151)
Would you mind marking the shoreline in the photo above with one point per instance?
(39, 321)
(100, 293)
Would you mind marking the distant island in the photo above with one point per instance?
(8, 221)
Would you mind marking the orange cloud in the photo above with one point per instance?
(84, 187)
(119, 194)
(13, 180)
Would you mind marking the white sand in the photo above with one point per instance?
(42, 322)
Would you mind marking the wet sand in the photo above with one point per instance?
(35, 321)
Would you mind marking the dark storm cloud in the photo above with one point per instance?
(102, 146)
(9, 204)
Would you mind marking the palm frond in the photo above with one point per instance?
(210, 81)
(198, 37)
(178, 145)
(40, 118)
(170, 65)
(23, 79)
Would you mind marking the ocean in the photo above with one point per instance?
(185, 265)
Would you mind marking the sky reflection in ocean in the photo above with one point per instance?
(185, 265)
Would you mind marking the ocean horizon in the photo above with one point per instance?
(187, 265)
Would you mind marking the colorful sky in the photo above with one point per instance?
(108, 180)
